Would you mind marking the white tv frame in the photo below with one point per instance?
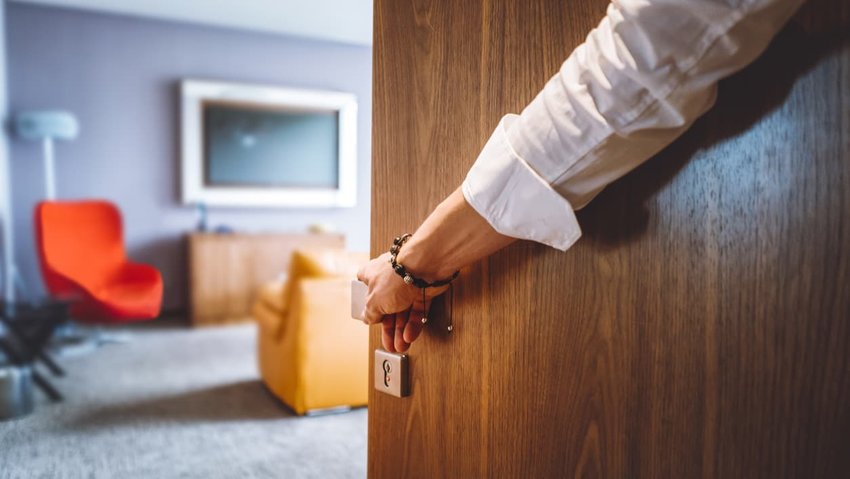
(192, 95)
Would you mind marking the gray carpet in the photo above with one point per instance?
(177, 403)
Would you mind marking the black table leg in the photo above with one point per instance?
(51, 364)
(45, 386)
(39, 380)
(34, 345)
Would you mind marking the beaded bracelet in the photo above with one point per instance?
(407, 276)
(419, 282)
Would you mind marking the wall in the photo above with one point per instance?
(119, 75)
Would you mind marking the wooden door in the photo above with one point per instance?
(699, 328)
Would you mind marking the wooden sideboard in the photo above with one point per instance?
(226, 270)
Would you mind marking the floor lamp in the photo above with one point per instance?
(47, 126)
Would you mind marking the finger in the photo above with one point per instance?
(361, 274)
(400, 322)
(414, 326)
(371, 315)
(387, 331)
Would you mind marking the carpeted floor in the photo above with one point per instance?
(177, 403)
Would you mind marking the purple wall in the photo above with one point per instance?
(119, 75)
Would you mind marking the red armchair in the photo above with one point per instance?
(81, 250)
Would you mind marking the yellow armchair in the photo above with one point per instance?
(312, 355)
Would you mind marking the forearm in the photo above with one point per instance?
(453, 236)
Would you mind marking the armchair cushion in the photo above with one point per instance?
(272, 305)
(269, 308)
(315, 264)
(323, 263)
(271, 296)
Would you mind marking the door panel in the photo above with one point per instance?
(699, 328)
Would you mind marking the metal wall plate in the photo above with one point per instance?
(391, 373)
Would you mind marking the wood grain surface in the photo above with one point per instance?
(700, 327)
(227, 270)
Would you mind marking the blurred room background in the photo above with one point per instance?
(147, 306)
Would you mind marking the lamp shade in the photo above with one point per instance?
(41, 125)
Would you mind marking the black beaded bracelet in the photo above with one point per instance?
(408, 277)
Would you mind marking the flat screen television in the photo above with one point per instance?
(246, 145)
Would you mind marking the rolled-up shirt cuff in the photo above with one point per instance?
(514, 199)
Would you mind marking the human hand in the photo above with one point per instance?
(395, 304)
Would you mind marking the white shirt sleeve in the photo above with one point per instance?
(640, 79)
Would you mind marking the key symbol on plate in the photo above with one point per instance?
(387, 369)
